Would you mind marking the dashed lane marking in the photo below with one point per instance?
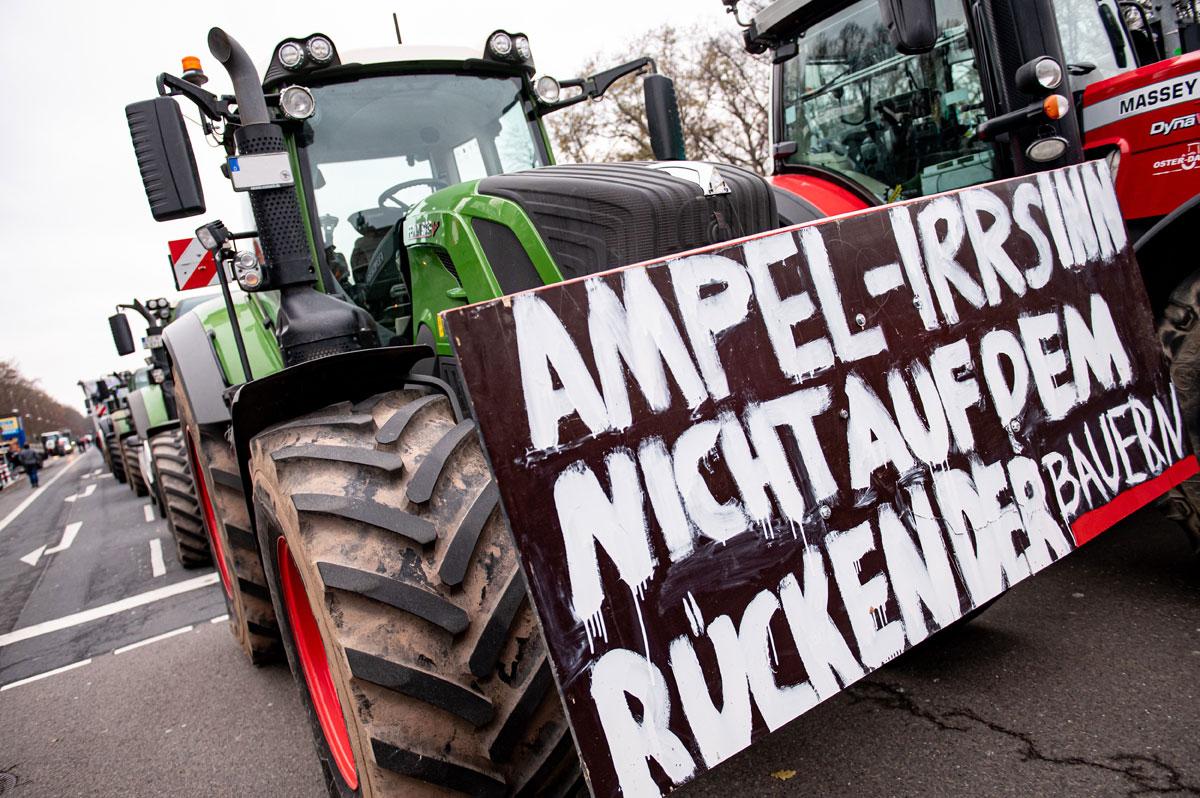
(157, 567)
(20, 508)
(148, 511)
(219, 619)
(54, 672)
(105, 610)
(180, 631)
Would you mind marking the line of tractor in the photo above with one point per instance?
(307, 429)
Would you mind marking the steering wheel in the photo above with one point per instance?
(389, 194)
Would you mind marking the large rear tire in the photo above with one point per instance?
(1179, 334)
(116, 460)
(403, 606)
(177, 498)
(234, 548)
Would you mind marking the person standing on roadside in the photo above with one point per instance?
(31, 461)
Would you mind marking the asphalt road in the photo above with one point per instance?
(1082, 681)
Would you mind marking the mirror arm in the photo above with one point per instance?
(214, 107)
(140, 309)
(594, 86)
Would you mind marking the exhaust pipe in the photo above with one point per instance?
(310, 323)
(252, 106)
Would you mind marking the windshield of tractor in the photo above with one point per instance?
(899, 125)
(378, 145)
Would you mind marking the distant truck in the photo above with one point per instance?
(57, 444)
(11, 429)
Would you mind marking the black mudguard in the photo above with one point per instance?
(197, 369)
(303, 388)
(1165, 253)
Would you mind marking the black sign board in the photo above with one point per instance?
(742, 478)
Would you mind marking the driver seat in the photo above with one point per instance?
(372, 226)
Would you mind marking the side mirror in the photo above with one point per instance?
(165, 159)
(662, 118)
(122, 336)
(911, 24)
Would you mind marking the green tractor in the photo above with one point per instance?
(354, 518)
(156, 457)
(99, 397)
(109, 401)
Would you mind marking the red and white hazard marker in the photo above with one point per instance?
(192, 264)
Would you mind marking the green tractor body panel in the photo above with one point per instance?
(122, 423)
(443, 221)
(255, 313)
(156, 405)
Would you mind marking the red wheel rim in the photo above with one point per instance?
(210, 518)
(310, 650)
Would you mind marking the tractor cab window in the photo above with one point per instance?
(1091, 32)
(899, 125)
(378, 145)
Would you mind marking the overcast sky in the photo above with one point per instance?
(75, 226)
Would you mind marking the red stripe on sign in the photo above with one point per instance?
(178, 246)
(203, 275)
(1093, 522)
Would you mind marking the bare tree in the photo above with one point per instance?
(723, 94)
(41, 413)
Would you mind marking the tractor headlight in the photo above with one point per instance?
(501, 44)
(1048, 73)
(521, 43)
(548, 90)
(297, 102)
(290, 54)
(152, 304)
(320, 48)
(1047, 149)
(247, 270)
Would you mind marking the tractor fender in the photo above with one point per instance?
(305, 387)
(149, 411)
(197, 370)
(1162, 253)
(137, 408)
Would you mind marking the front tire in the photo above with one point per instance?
(177, 499)
(116, 461)
(234, 548)
(1179, 335)
(133, 467)
(430, 671)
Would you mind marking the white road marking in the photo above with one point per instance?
(54, 672)
(8, 519)
(98, 472)
(68, 538)
(219, 619)
(148, 511)
(156, 559)
(105, 610)
(104, 476)
(32, 557)
(181, 631)
(88, 491)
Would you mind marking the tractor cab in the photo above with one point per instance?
(865, 113)
(375, 131)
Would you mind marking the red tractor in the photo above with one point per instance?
(877, 101)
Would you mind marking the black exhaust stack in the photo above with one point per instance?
(311, 324)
